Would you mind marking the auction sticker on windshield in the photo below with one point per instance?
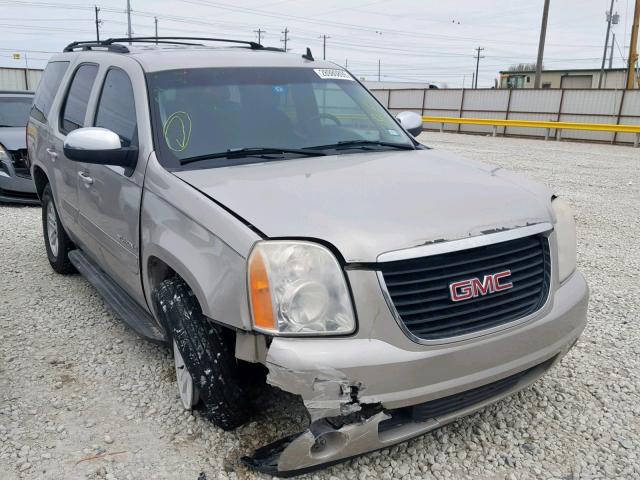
(332, 74)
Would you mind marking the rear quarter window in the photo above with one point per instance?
(49, 86)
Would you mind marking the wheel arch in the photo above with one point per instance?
(160, 268)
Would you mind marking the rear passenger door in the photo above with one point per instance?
(109, 196)
(39, 136)
(72, 116)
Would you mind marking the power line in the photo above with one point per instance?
(184, 19)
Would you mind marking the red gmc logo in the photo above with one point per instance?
(474, 287)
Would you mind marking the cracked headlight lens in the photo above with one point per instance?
(565, 228)
(298, 288)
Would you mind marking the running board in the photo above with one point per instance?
(120, 302)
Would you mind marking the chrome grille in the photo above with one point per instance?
(419, 287)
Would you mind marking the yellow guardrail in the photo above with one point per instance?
(548, 125)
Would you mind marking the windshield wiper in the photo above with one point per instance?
(364, 144)
(251, 151)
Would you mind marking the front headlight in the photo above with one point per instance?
(565, 228)
(298, 288)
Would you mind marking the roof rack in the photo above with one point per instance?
(115, 44)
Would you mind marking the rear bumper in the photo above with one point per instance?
(15, 189)
(346, 377)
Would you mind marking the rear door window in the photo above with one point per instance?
(75, 106)
(116, 107)
(47, 89)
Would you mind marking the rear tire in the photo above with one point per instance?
(56, 241)
(207, 352)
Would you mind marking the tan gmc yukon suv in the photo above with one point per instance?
(261, 211)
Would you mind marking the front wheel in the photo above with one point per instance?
(205, 365)
(56, 241)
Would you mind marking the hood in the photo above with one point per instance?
(13, 138)
(371, 203)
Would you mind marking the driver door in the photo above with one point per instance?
(109, 196)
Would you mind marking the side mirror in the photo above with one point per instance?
(99, 146)
(411, 121)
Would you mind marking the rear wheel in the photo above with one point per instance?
(205, 364)
(56, 241)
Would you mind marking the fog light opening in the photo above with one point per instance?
(328, 444)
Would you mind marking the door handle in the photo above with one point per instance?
(52, 154)
(85, 178)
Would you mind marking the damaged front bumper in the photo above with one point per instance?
(365, 394)
(333, 440)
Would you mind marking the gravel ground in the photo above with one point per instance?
(74, 382)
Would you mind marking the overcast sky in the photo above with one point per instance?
(415, 40)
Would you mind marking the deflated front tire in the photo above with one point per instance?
(207, 353)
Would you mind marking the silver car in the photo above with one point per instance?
(16, 185)
(263, 214)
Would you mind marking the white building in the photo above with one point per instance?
(577, 78)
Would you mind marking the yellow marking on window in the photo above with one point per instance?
(177, 131)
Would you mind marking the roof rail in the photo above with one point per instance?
(91, 44)
(115, 44)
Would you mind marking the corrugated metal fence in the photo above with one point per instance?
(19, 78)
(618, 107)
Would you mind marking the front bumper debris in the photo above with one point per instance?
(335, 439)
(320, 446)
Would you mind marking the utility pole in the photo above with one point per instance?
(606, 44)
(286, 37)
(478, 57)
(633, 48)
(378, 69)
(97, 24)
(346, 63)
(259, 31)
(129, 19)
(473, 79)
(613, 42)
(543, 35)
(155, 21)
(324, 46)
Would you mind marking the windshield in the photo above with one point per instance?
(14, 111)
(203, 112)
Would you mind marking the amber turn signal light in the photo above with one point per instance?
(261, 305)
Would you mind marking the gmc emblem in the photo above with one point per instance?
(473, 287)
